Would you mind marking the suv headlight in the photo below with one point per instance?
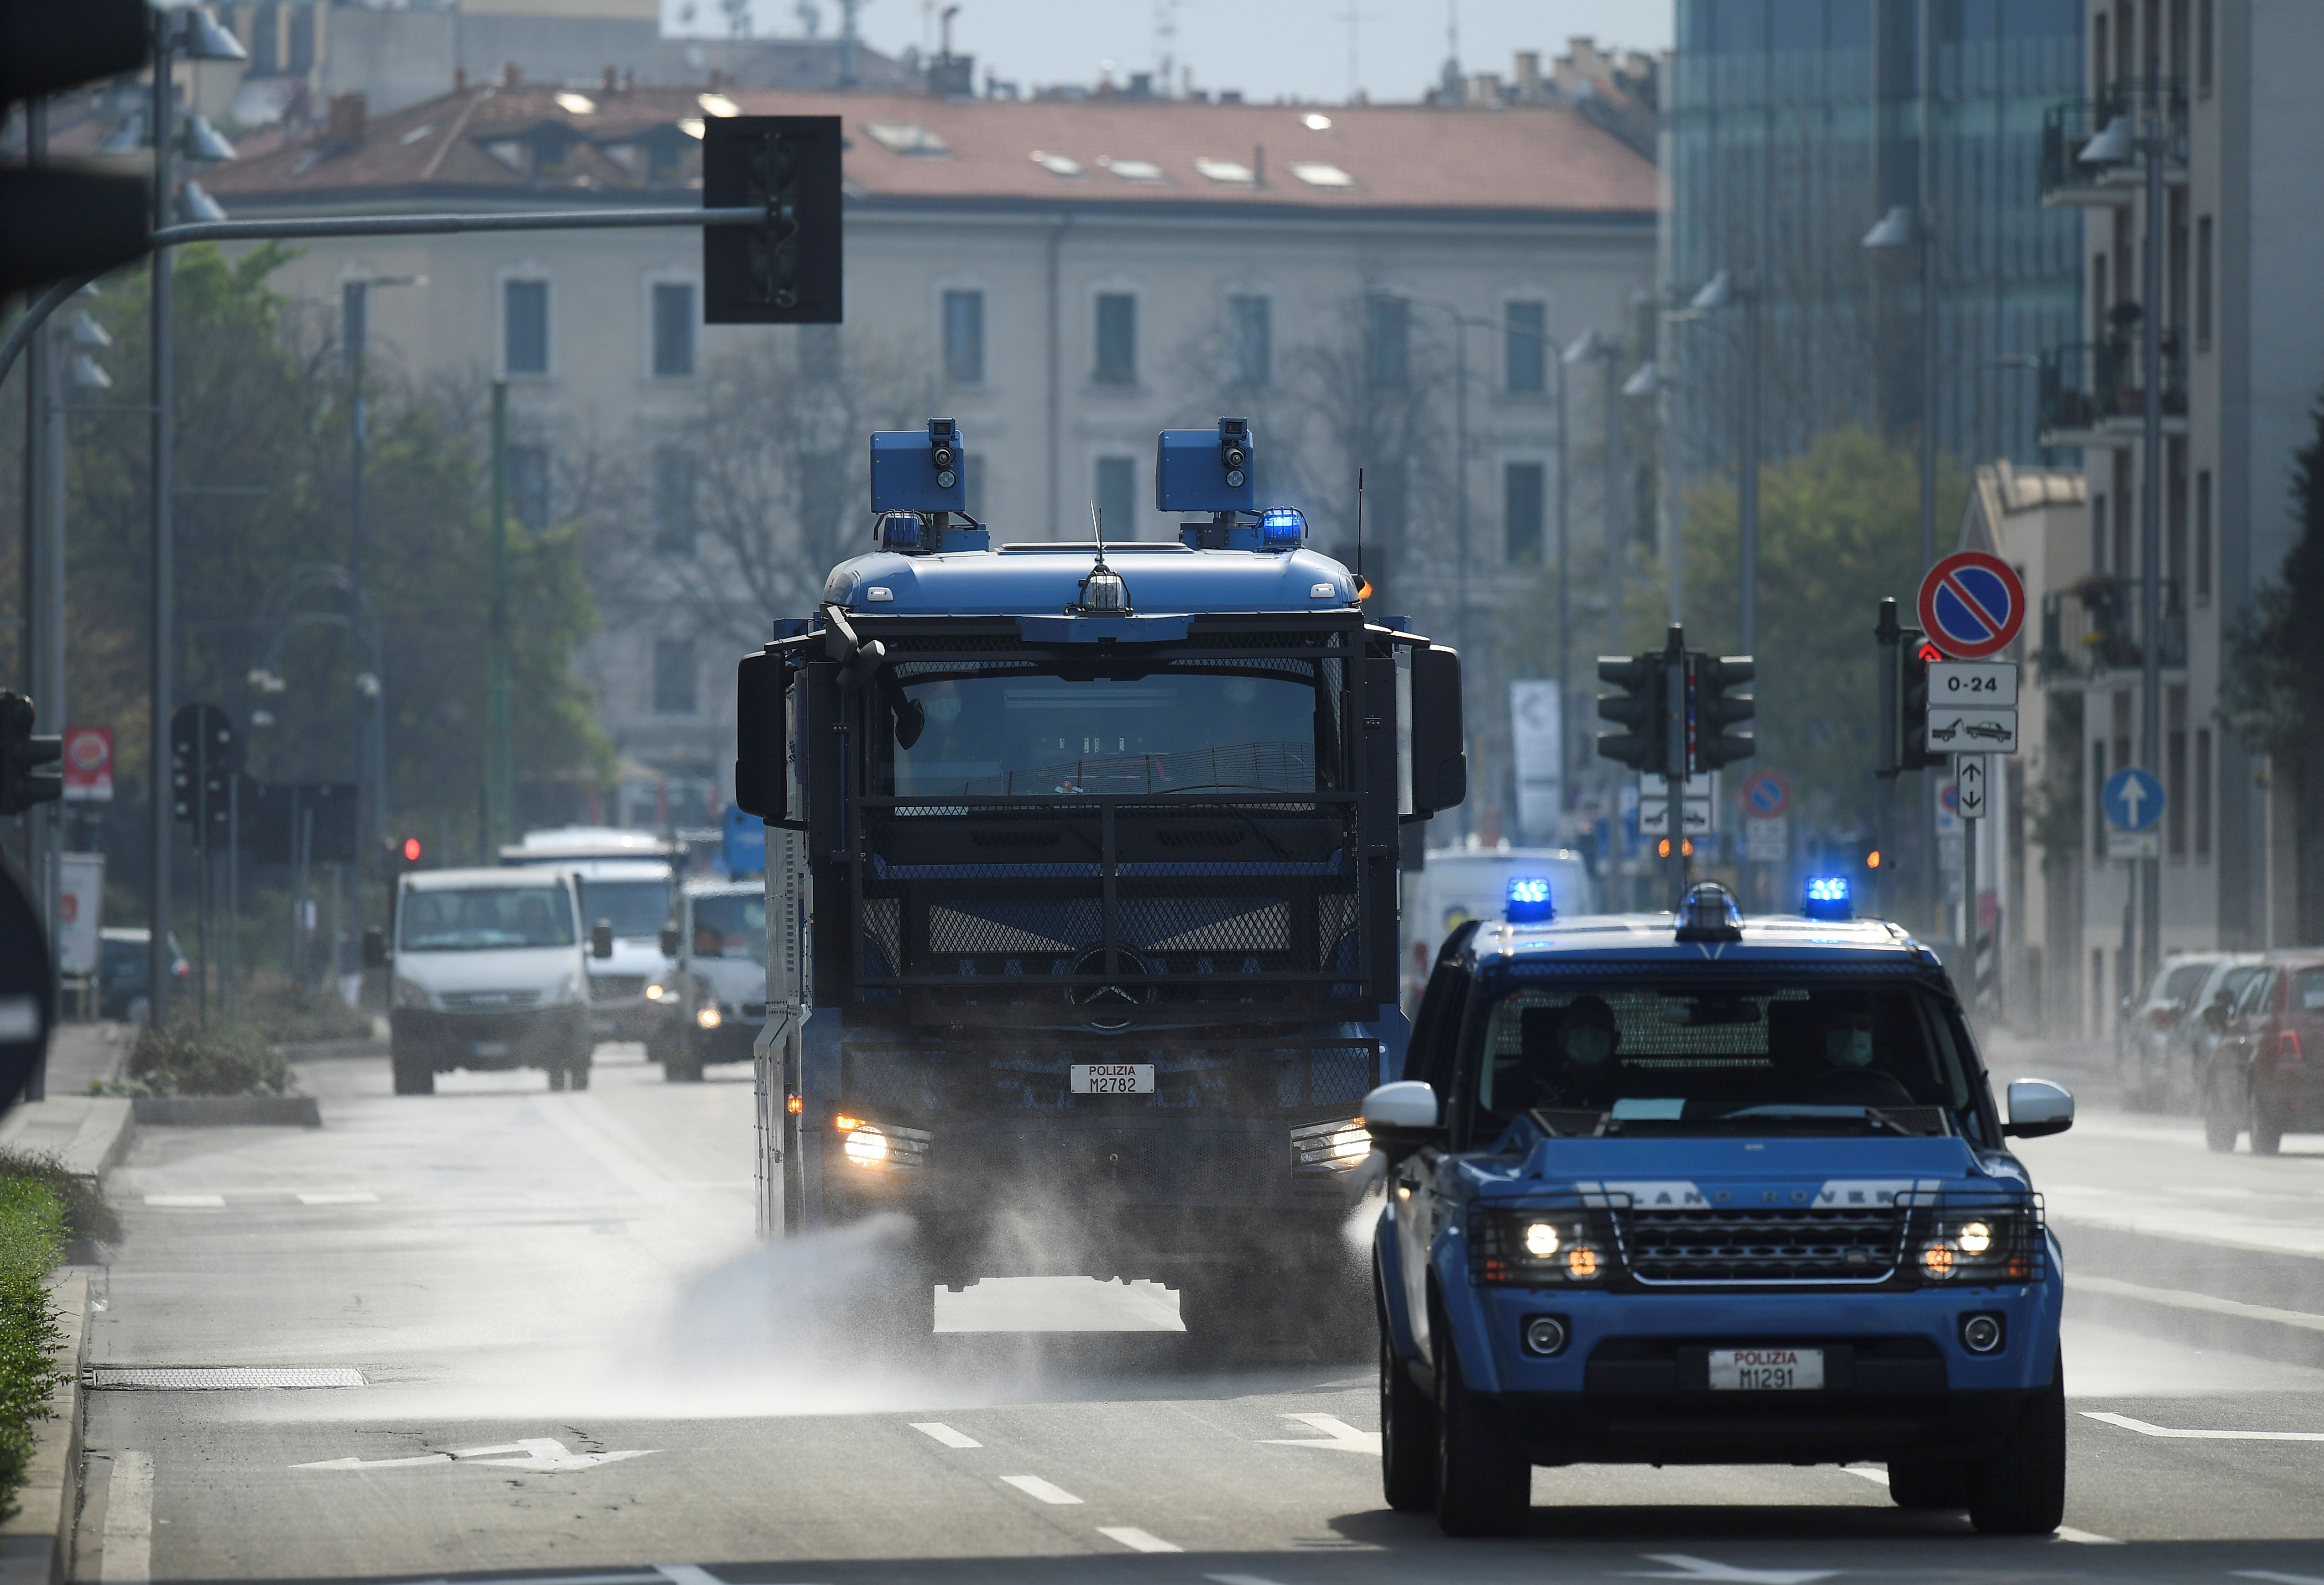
(1538, 1249)
(1960, 1244)
(409, 993)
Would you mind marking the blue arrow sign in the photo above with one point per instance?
(2132, 799)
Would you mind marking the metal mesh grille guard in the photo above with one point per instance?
(1188, 1076)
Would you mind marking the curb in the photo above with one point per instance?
(213, 1112)
(36, 1545)
(2292, 1337)
(2249, 1301)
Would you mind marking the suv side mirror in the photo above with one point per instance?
(374, 947)
(1402, 1117)
(601, 939)
(669, 941)
(2038, 1107)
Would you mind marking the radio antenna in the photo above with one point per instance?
(1360, 525)
(1097, 526)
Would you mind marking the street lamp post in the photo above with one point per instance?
(354, 300)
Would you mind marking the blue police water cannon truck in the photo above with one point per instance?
(1092, 851)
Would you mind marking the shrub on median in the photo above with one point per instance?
(281, 1012)
(33, 1233)
(186, 1058)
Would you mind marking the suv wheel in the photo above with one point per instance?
(1408, 1431)
(1484, 1487)
(2266, 1121)
(2021, 1490)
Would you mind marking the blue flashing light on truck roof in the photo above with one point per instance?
(1092, 851)
(1529, 901)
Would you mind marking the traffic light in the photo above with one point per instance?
(1640, 709)
(60, 220)
(786, 272)
(21, 783)
(1716, 710)
(205, 758)
(1915, 655)
(410, 851)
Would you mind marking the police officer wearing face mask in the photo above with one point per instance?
(1848, 1077)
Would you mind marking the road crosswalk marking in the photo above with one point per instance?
(1338, 1434)
(1136, 1539)
(944, 1434)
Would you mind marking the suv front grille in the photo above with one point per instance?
(1680, 1247)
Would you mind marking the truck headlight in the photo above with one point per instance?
(409, 993)
(1338, 1146)
(654, 992)
(1536, 1248)
(708, 1016)
(881, 1147)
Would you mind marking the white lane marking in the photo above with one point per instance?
(1338, 1434)
(2276, 1579)
(687, 1574)
(2211, 1303)
(186, 1201)
(2144, 1429)
(1239, 1580)
(543, 1453)
(1136, 1539)
(1034, 1485)
(944, 1434)
(129, 1521)
(2086, 1537)
(1879, 1477)
(348, 1197)
(1684, 1567)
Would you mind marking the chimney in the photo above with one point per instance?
(1485, 88)
(510, 75)
(459, 79)
(1528, 74)
(612, 84)
(344, 127)
(1258, 165)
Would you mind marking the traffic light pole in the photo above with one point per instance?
(500, 779)
(159, 960)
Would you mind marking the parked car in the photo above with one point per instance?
(121, 982)
(2194, 1039)
(2259, 1081)
(2143, 1039)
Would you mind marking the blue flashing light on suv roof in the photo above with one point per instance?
(1529, 902)
(1828, 899)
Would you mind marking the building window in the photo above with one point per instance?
(2203, 536)
(2174, 528)
(1116, 496)
(963, 337)
(2099, 533)
(673, 500)
(1250, 340)
(1387, 340)
(2098, 304)
(528, 486)
(2202, 792)
(2097, 800)
(673, 330)
(2204, 20)
(2124, 566)
(1525, 337)
(2175, 771)
(524, 326)
(2203, 283)
(1117, 339)
(1521, 514)
(818, 352)
(673, 676)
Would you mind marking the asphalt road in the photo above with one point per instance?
(578, 1365)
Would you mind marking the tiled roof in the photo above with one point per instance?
(500, 141)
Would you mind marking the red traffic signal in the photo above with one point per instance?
(410, 850)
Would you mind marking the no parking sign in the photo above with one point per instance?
(1972, 604)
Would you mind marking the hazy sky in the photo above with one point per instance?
(1267, 48)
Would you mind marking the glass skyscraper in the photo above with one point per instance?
(1790, 127)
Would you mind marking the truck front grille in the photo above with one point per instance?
(1190, 1077)
(1683, 1248)
(487, 1001)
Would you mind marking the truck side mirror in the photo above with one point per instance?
(669, 941)
(374, 947)
(2038, 1107)
(761, 730)
(1402, 1117)
(1440, 761)
(601, 939)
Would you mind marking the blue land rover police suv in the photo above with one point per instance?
(1689, 1189)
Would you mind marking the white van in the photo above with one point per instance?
(490, 971)
(1460, 884)
(628, 879)
(714, 1001)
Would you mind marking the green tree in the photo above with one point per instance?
(1838, 532)
(264, 485)
(2272, 689)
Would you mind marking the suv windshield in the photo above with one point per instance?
(483, 918)
(638, 909)
(1781, 1054)
(729, 926)
(1014, 728)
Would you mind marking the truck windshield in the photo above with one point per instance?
(485, 917)
(1186, 727)
(1783, 1056)
(729, 926)
(638, 909)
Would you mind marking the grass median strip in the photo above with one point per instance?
(33, 1233)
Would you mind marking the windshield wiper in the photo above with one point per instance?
(1795, 1112)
